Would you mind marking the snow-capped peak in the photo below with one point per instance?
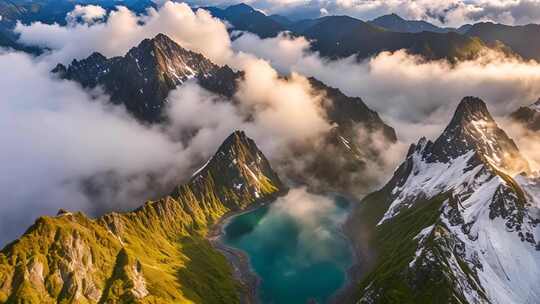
(471, 149)
(472, 128)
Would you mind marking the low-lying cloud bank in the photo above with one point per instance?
(123, 29)
(68, 148)
(62, 148)
(316, 221)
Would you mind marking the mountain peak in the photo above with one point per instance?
(238, 137)
(143, 78)
(162, 38)
(470, 109)
(239, 166)
(472, 128)
(159, 41)
(392, 16)
(240, 8)
(237, 147)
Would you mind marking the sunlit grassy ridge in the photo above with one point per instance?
(155, 254)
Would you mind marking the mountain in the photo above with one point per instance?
(7, 41)
(457, 222)
(284, 21)
(528, 116)
(522, 39)
(245, 18)
(143, 78)
(349, 148)
(395, 23)
(157, 253)
(342, 36)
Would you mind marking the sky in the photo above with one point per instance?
(65, 147)
(453, 13)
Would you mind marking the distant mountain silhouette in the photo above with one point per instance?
(523, 40)
(395, 23)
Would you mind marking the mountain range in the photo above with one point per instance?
(457, 222)
(332, 36)
(55, 11)
(521, 39)
(142, 79)
(343, 36)
(394, 22)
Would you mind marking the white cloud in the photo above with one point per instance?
(317, 219)
(407, 89)
(197, 31)
(57, 139)
(87, 13)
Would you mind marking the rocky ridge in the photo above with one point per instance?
(142, 79)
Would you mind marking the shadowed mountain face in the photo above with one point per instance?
(349, 150)
(435, 229)
(9, 40)
(395, 23)
(523, 40)
(528, 116)
(143, 78)
(155, 254)
(244, 18)
(343, 36)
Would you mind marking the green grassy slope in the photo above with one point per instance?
(155, 254)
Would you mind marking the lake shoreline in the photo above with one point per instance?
(238, 259)
(353, 272)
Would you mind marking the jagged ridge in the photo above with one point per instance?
(143, 78)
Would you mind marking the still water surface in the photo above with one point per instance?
(300, 256)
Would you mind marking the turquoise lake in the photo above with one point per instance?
(297, 249)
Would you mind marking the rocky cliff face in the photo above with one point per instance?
(351, 147)
(443, 226)
(155, 254)
(143, 78)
